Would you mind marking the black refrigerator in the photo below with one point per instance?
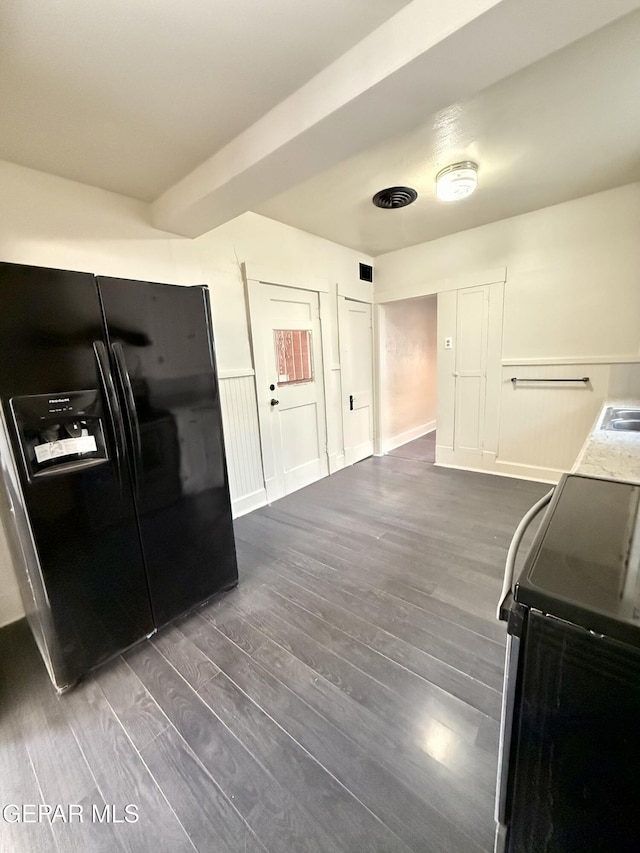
(116, 497)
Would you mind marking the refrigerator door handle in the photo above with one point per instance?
(111, 401)
(131, 411)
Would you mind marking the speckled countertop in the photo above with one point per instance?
(611, 454)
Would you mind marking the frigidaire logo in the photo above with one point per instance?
(61, 400)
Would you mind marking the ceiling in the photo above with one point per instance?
(301, 110)
(565, 127)
(130, 96)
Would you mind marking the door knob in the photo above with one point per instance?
(274, 402)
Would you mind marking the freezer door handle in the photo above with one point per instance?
(111, 402)
(130, 410)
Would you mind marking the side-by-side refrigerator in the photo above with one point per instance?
(116, 498)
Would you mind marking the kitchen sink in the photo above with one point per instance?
(628, 425)
(627, 420)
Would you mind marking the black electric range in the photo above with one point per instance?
(584, 564)
(569, 763)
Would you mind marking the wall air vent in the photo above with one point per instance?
(366, 272)
(394, 197)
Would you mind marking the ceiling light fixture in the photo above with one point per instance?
(457, 181)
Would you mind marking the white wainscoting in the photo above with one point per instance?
(242, 441)
(541, 425)
(544, 424)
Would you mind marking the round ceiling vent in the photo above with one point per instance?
(395, 197)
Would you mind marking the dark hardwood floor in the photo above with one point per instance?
(422, 449)
(345, 697)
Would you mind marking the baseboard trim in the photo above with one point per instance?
(469, 459)
(446, 457)
(336, 462)
(495, 473)
(527, 472)
(404, 437)
(247, 503)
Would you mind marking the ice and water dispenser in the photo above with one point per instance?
(60, 432)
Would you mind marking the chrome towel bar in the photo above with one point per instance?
(584, 379)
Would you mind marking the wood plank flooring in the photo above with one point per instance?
(345, 697)
(421, 449)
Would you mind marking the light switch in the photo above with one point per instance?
(448, 343)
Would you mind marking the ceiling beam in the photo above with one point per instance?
(427, 57)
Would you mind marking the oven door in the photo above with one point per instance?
(508, 720)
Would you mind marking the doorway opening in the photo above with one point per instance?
(407, 380)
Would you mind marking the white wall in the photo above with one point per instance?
(52, 222)
(407, 334)
(571, 308)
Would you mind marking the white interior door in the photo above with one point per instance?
(472, 327)
(356, 362)
(286, 334)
